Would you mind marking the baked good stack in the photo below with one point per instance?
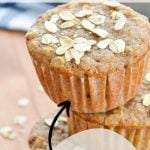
(95, 55)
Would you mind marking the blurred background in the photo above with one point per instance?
(22, 99)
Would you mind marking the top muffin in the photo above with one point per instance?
(89, 37)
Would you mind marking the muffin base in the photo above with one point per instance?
(92, 93)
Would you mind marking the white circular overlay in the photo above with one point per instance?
(95, 139)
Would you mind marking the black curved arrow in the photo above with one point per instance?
(65, 105)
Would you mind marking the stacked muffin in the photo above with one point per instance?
(95, 55)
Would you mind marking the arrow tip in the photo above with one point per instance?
(66, 104)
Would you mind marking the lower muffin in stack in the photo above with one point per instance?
(131, 120)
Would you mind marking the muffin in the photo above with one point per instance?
(38, 138)
(131, 120)
(93, 54)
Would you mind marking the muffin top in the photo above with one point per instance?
(89, 37)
